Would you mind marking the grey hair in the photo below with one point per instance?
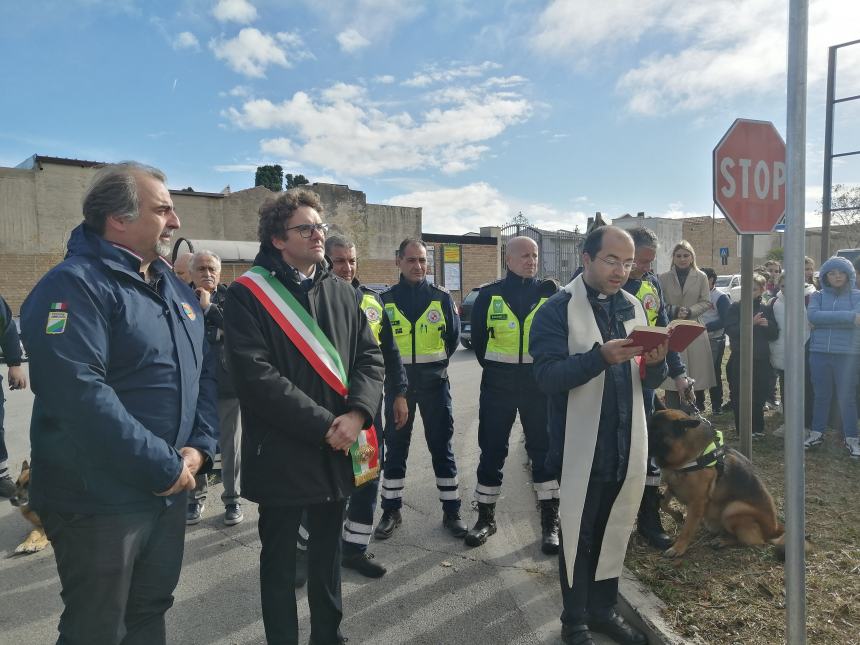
(643, 237)
(338, 241)
(113, 192)
(205, 253)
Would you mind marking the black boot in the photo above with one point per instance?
(390, 520)
(649, 524)
(484, 527)
(549, 526)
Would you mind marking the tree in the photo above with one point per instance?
(776, 254)
(272, 177)
(294, 181)
(845, 211)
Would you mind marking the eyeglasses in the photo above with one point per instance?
(307, 230)
(616, 263)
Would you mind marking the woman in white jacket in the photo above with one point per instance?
(777, 347)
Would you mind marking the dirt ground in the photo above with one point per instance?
(737, 595)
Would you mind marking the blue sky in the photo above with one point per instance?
(473, 110)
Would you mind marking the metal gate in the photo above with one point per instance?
(559, 252)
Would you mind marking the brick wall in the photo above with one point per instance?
(20, 272)
(478, 265)
(708, 236)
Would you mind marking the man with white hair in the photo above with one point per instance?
(182, 267)
(206, 272)
(501, 319)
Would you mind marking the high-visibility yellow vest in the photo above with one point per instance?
(650, 299)
(507, 340)
(373, 312)
(423, 342)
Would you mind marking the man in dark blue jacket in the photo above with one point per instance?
(124, 413)
(426, 329)
(594, 377)
(11, 349)
(501, 319)
(643, 284)
(359, 522)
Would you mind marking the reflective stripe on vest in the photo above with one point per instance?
(373, 312)
(506, 341)
(423, 343)
(650, 300)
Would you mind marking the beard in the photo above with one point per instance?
(163, 249)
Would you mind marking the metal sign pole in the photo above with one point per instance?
(795, 314)
(745, 361)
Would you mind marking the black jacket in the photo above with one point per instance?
(761, 335)
(214, 318)
(286, 407)
(521, 295)
(413, 300)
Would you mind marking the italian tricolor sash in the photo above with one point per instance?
(314, 345)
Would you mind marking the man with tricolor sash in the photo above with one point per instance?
(308, 374)
(426, 329)
(598, 445)
(501, 321)
(358, 526)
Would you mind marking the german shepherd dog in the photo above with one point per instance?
(37, 540)
(722, 489)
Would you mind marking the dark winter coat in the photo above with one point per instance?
(122, 382)
(286, 406)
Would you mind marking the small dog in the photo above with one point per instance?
(717, 485)
(37, 540)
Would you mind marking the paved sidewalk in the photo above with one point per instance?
(436, 591)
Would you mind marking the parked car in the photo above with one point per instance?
(466, 318)
(851, 254)
(726, 283)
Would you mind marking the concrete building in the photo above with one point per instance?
(707, 236)
(40, 203)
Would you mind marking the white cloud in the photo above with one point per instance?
(186, 40)
(252, 51)
(468, 208)
(697, 55)
(237, 167)
(384, 79)
(434, 75)
(577, 26)
(240, 11)
(342, 130)
(351, 41)
(360, 23)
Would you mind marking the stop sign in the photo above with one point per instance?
(749, 176)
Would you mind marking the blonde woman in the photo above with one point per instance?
(687, 296)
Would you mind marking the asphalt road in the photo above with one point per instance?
(436, 590)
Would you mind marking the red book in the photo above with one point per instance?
(680, 334)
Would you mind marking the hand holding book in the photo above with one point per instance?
(679, 333)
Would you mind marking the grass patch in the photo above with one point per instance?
(737, 595)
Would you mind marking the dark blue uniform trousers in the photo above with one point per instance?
(496, 416)
(362, 504)
(438, 417)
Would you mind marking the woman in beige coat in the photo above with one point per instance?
(687, 295)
